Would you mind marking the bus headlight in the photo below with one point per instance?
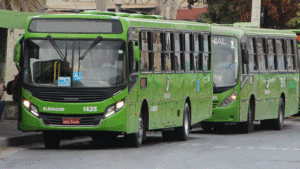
(31, 108)
(230, 99)
(114, 108)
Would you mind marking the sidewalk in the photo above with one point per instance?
(9, 134)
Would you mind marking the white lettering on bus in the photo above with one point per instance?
(53, 109)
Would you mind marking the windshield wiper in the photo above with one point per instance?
(97, 40)
(56, 47)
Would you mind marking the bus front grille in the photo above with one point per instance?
(72, 97)
(215, 103)
(57, 119)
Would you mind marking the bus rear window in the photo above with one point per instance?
(69, 25)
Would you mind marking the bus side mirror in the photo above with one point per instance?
(17, 51)
(245, 53)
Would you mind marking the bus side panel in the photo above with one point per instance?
(292, 89)
(190, 91)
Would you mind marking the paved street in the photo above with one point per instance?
(229, 149)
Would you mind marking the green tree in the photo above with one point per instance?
(222, 11)
(281, 14)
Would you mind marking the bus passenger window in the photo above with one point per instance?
(197, 52)
(272, 61)
(178, 52)
(290, 55)
(252, 54)
(157, 49)
(145, 51)
(206, 52)
(262, 64)
(188, 54)
(168, 52)
(280, 55)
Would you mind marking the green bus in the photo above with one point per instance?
(256, 77)
(105, 74)
(297, 31)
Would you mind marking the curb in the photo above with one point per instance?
(21, 140)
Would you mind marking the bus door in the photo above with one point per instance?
(291, 78)
(204, 81)
(264, 82)
(158, 80)
(253, 75)
(273, 79)
(150, 80)
(174, 70)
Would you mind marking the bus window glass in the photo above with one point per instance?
(168, 53)
(206, 43)
(261, 54)
(250, 45)
(145, 66)
(178, 59)
(196, 43)
(187, 54)
(157, 48)
(145, 41)
(290, 55)
(225, 61)
(271, 55)
(197, 55)
(206, 55)
(102, 66)
(280, 55)
(145, 51)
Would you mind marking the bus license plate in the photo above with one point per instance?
(70, 121)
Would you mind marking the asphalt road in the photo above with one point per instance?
(229, 149)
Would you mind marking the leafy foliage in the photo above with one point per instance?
(222, 11)
(280, 14)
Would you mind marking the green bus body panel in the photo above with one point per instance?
(165, 104)
(266, 99)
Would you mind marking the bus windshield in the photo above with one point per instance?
(74, 63)
(225, 61)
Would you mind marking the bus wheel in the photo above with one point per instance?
(206, 126)
(279, 122)
(184, 131)
(136, 139)
(51, 140)
(248, 126)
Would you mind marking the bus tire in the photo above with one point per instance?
(183, 132)
(248, 126)
(279, 122)
(51, 140)
(207, 126)
(9, 87)
(136, 139)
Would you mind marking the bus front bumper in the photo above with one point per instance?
(117, 122)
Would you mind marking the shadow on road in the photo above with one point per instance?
(120, 143)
